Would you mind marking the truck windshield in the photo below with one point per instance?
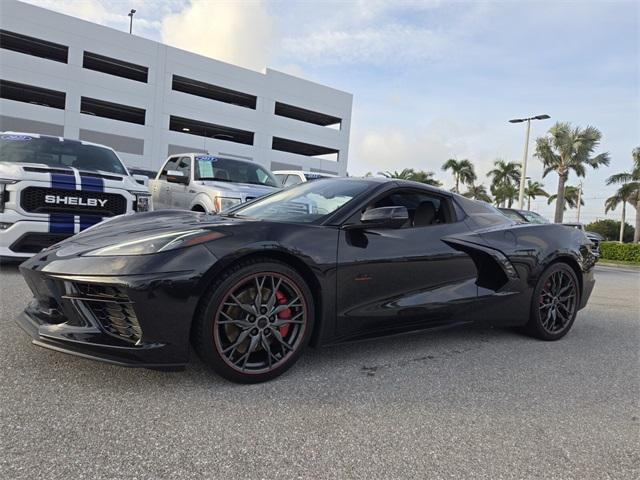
(227, 170)
(55, 153)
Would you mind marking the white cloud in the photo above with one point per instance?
(388, 44)
(234, 32)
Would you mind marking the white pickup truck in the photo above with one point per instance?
(52, 188)
(206, 183)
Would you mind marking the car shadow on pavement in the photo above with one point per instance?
(364, 358)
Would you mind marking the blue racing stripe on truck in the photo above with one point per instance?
(62, 222)
(90, 184)
(63, 181)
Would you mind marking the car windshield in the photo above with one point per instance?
(303, 203)
(227, 170)
(52, 152)
(533, 217)
(512, 215)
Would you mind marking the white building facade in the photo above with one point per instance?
(63, 76)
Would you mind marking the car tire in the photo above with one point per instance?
(554, 304)
(251, 337)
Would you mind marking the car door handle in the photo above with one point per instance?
(192, 191)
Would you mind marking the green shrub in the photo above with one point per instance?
(626, 252)
(610, 229)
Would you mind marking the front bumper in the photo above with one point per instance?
(24, 237)
(124, 318)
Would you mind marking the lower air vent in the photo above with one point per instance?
(112, 309)
(118, 319)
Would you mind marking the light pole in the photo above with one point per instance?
(130, 15)
(579, 200)
(523, 166)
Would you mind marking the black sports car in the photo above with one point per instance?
(318, 263)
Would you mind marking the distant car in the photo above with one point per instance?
(293, 177)
(207, 183)
(595, 238)
(141, 175)
(524, 216)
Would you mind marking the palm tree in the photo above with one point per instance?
(478, 192)
(505, 176)
(570, 196)
(415, 175)
(533, 190)
(462, 170)
(565, 149)
(405, 174)
(626, 193)
(505, 194)
(425, 177)
(630, 178)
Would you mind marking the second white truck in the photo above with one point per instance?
(206, 183)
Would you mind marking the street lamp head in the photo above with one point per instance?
(517, 120)
(133, 10)
(542, 117)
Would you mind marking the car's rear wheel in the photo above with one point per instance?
(554, 304)
(255, 321)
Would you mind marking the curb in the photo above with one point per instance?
(617, 266)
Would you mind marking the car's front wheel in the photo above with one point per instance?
(554, 304)
(255, 321)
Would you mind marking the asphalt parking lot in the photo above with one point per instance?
(463, 403)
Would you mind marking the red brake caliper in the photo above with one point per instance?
(283, 315)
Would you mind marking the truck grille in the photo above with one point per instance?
(32, 199)
(112, 309)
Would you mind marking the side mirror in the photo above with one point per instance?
(382, 217)
(176, 176)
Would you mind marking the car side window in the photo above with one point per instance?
(292, 180)
(184, 165)
(424, 209)
(169, 165)
(280, 177)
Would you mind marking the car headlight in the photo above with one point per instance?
(157, 243)
(222, 203)
(143, 202)
(4, 195)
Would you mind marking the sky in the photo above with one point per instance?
(431, 79)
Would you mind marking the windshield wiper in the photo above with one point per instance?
(259, 183)
(216, 179)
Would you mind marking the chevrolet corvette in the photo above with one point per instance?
(319, 263)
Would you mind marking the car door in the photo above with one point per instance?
(405, 278)
(161, 190)
(180, 196)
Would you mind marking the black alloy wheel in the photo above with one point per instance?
(257, 322)
(554, 304)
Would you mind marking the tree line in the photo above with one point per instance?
(564, 150)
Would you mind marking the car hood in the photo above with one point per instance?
(245, 189)
(37, 172)
(130, 227)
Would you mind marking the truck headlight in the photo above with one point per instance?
(143, 202)
(4, 195)
(222, 203)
